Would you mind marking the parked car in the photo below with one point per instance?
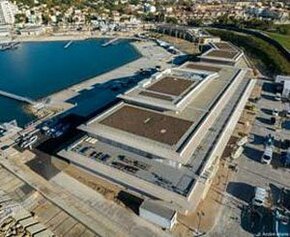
(275, 112)
(242, 141)
(267, 155)
(237, 152)
(278, 97)
(260, 197)
(46, 130)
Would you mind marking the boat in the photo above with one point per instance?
(8, 46)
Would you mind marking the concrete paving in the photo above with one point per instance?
(251, 172)
(131, 223)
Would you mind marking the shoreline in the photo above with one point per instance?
(71, 89)
(74, 87)
(92, 81)
(150, 55)
(68, 37)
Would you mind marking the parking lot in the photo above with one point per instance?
(251, 172)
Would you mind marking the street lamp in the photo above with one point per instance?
(200, 215)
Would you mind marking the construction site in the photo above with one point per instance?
(159, 152)
(153, 142)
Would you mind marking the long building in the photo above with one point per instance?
(7, 12)
(164, 139)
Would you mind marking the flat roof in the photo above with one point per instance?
(170, 178)
(156, 95)
(148, 123)
(158, 209)
(202, 67)
(224, 46)
(179, 181)
(222, 54)
(170, 90)
(223, 50)
(281, 78)
(171, 85)
(162, 132)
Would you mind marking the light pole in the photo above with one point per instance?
(200, 215)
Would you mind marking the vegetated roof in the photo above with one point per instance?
(149, 124)
(202, 67)
(225, 46)
(222, 54)
(171, 85)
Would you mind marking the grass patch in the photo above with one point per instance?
(259, 50)
(282, 39)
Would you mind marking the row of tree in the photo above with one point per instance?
(258, 49)
(254, 23)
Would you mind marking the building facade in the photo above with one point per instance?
(7, 12)
(165, 138)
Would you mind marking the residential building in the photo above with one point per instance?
(7, 12)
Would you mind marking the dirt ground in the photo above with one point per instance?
(181, 44)
(108, 190)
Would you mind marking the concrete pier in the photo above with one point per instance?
(17, 97)
(68, 44)
(110, 42)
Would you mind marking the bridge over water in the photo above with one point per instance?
(17, 97)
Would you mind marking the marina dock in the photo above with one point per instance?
(110, 42)
(68, 44)
(152, 55)
(17, 97)
(8, 45)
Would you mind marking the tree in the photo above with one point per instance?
(20, 18)
(195, 22)
(171, 20)
(45, 19)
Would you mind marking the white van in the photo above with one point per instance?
(242, 141)
(278, 96)
(237, 153)
(260, 197)
(268, 155)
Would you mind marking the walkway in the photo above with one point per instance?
(17, 97)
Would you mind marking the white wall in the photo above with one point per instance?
(7, 12)
(156, 219)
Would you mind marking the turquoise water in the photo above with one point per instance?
(38, 69)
